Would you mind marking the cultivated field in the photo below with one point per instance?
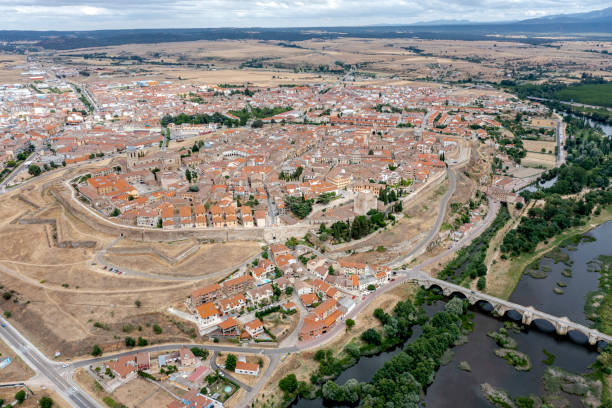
(269, 63)
(539, 159)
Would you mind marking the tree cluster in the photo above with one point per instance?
(402, 379)
(198, 119)
(345, 231)
(299, 206)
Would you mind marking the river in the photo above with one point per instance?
(461, 389)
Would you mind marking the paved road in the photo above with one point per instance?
(215, 367)
(560, 142)
(49, 371)
(15, 171)
(422, 246)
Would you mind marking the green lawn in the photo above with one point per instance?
(590, 94)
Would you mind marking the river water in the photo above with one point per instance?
(460, 389)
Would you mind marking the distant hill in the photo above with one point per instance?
(597, 16)
(596, 25)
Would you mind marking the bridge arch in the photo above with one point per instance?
(434, 286)
(484, 305)
(513, 315)
(458, 294)
(578, 336)
(543, 325)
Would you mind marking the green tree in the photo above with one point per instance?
(34, 170)
(142, 342)
(96, 350)
(20, 396)
(371, 336)
(130, 341)
(288, 384)
(230, 362)
(349, 324)
(157, 329)
(45, 402)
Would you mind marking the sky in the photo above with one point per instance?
(116, 14)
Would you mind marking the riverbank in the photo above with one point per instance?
(507, 273)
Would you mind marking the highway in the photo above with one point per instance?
(50, 372)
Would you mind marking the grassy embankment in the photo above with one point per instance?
(508, 273)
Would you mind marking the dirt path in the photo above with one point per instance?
(68, 315)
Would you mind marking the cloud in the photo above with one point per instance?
(110, 14)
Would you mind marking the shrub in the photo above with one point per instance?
(371, 336)
(45, 402)
(230, 362)
(96, 350)
(20, 396)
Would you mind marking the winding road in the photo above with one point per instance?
(60, 377)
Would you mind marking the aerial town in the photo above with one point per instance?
(198, 225)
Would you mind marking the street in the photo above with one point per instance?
(51, 372)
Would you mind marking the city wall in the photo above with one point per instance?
(155, 235)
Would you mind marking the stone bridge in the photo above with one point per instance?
(528, 314)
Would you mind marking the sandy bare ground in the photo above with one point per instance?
(208, 259)
(141, 393)
(63, 302)
(8, 395)
(539, 159)
(17, 370)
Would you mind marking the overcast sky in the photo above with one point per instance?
(109, 14)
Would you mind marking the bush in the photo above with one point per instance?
(96, 351)
(371, 336)
(142, 342)
(130, 341)
(482, 283)
(230, 362)
(20, 396)
(288, 384)
(45, 402)
(34, 170)
(350, 323)
(157, 329)
(199, 352)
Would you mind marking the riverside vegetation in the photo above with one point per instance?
(402, 379)
(589, 166)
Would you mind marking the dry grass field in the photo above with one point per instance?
(17, 370)
(536, 146)
(215, 260)
(140, 393)
(11, 68)
(269, 63)
(62, 302)
(8, 395)
(419, 216)
(539, 159)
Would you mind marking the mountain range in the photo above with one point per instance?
(595, 25)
